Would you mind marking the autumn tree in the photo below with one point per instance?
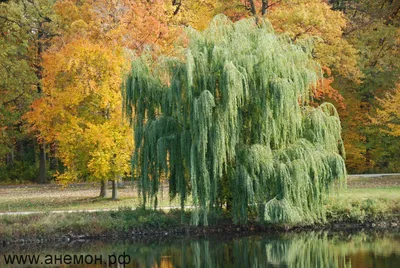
(388, 114)
(26, 29)
(357, 46)
(74, 62)
(300, 20)
(373, 29)
(82, 112)
(130, 24)
(234, 117)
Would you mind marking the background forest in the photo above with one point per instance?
(63, 63)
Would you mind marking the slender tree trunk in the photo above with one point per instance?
(53, 159)
(42, 163)
(367, 155)
(19, 144)
(103, 189)
(114, 190)
(35, 159)
(9, 159)
(253, 7)
(264, 7)
(39, 75)
(10, 156)
(229, 202)
(20, 151)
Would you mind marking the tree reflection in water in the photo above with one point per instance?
(308, 249)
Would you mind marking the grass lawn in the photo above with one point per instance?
(383, 189)
(366, 198)
(386, 193)
(82, 197)
(46, 198)
(355, 204)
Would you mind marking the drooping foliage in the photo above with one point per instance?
(230, 122)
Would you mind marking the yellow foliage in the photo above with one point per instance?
(302, 19)
(389, 113)
(82, 112)
(196, 14)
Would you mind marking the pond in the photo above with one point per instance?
(306, 249)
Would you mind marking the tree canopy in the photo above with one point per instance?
(388, 116)
(231, 118)
(82, 111)
(356, 43)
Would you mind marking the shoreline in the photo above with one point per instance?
(142, 224)
(28, 216)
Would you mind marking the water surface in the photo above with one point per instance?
(308, 249)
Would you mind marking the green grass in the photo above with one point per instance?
(84, 197)
(364, 204)
(387, 193)
(84, 223)
(366, 199)
(123, 221)
(71, 198)
(352, 205)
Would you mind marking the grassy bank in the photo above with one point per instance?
(86, 224)
(364, 204)
(357, 205)
(346, 208)
(127, 223)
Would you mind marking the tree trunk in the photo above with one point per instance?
(229, 202)
(368, 163)
(53, 159)
(20, 151)
(252, 8)
(103, 189)
(114, 190)
(10, 156)
(264, 7)
(42, 163)
(368, 157)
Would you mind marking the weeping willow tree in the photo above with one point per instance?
(230, 122)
